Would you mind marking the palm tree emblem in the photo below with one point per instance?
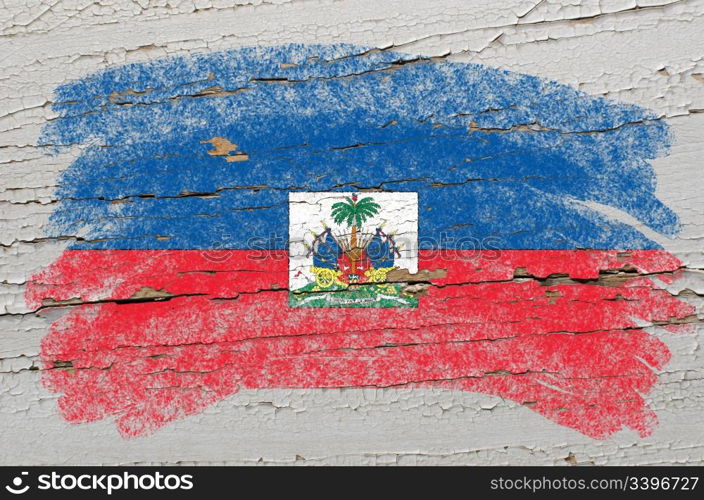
(354, 213)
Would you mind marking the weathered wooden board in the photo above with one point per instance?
(631, 390)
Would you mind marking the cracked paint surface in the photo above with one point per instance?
(189, 156)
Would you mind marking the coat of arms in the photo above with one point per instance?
(344, 245)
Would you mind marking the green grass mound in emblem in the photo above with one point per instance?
(371, 295)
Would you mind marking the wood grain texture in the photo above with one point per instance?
(645, 52)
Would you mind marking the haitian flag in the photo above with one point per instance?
(341, 217)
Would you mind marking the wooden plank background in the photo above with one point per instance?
(646, 52)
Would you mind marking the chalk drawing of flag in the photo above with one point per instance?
(535, 276)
